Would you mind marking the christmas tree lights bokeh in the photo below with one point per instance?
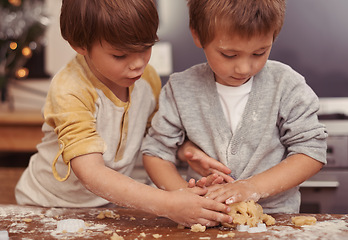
(22, 27)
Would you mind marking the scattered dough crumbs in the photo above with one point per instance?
(303, 220)
(108, 214)
(115, 236)
(198, 228)
(248, 213)
(157, 235)
(227, 235)
(27, 220)
(231, 234)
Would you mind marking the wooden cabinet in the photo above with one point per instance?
(8, 180)
(20, 131)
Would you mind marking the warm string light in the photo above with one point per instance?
(13, 45)
(23, 24)
(27, 53)
(22, 72)
(15, 3)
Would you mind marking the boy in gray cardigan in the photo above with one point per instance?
(256, 116)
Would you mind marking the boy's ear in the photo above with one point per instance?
(196, 38)
(81, 50)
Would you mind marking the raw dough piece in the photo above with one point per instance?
(27, 220)
(108, 214)
(303, 220)
(227, 235)
(115, 236)
(248, 213)
(198, 228)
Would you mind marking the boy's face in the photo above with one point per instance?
(116, 69)
(233, 59)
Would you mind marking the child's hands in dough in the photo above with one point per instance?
(208, 181)
(202, 163)
(233, 192)
(188, 206)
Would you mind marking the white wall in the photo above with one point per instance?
(58, 51)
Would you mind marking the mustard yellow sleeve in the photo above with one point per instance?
(69, 110)
(151, 76)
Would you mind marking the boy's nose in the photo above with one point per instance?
(138, 62)
(243, 68)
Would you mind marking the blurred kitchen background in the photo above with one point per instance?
(314, 41)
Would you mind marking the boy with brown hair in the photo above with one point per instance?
(96, 113)
(256, 116)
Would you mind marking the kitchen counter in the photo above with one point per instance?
(26, 222)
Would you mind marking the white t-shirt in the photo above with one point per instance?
(233, 101)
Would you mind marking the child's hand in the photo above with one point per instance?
(232, 192)
(188, 207)
(212, 179)
(202, 163)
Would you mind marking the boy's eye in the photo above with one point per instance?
(228, 55)
(259, 54)
(119, 56)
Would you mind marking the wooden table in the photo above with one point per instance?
(133, 224)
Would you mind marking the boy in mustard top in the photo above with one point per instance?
(97, 111)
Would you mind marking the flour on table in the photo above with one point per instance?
(334, 230)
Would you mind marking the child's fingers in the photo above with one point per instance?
(191, 183)
(202, 182)
(227, 178)
(188, 154)
(218, 193)
(229, 197)
(218, 166)
(218, 180)
(217, 212)
(231, 200)
(213, 179)
(199, 191)
(207, 222)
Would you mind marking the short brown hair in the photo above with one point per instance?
(245, 17)
(128, 24)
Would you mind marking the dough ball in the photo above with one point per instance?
(303, 220)
(248, 213)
